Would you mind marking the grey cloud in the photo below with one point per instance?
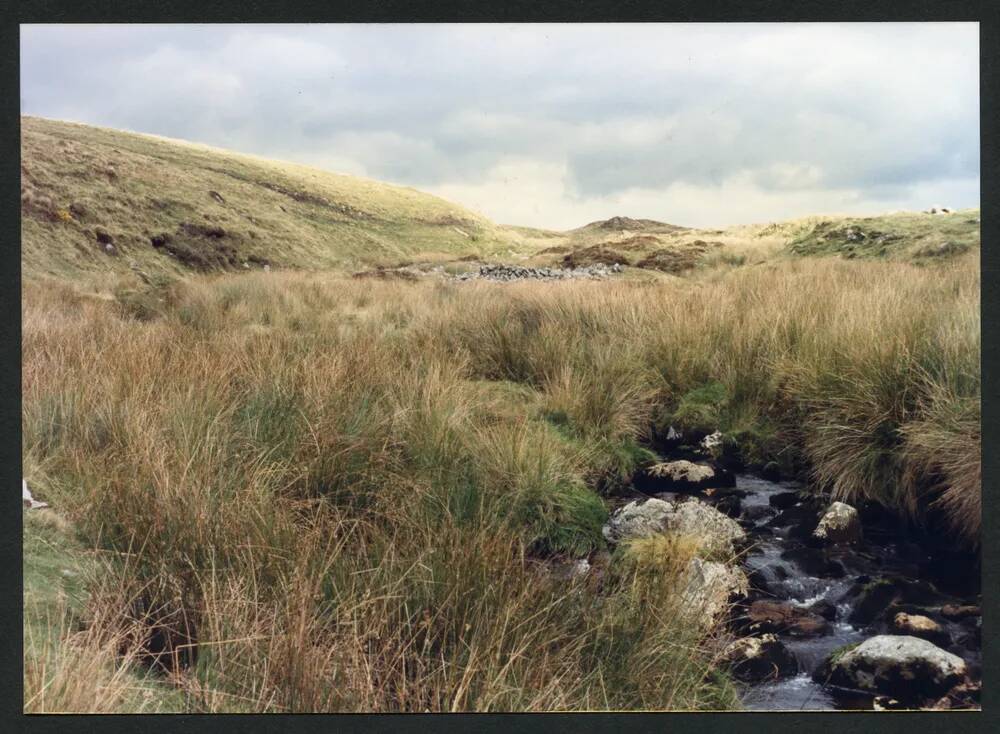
(874, 109)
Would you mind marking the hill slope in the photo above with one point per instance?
(95, 199)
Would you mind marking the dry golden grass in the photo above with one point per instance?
(77, 180)
(349, 485)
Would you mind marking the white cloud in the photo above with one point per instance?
(555, 125)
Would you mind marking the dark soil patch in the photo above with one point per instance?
(201, 247)
(634, 243)
(672, 260)
(594, 255)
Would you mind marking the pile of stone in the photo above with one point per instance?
(508, 273)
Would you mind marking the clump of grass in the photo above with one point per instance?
(700, 410)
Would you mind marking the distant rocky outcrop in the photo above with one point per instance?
(508, 273)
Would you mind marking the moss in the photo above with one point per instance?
(701, 410)
(841, 651)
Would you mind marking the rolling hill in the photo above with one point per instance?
(95, 199)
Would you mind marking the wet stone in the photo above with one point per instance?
(784, 500)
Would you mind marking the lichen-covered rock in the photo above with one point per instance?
(719, 535)
(840, 525)
(637, 520)
(707, 588)
(904, 667)
(920, 626)
(753, 659)
(683, 476)
(682, 471)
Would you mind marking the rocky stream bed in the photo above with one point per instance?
(841, 608)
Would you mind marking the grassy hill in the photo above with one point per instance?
(651, 246)
(364, 494)
(95, 199)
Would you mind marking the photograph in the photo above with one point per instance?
(413, 367)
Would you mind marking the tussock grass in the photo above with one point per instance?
(351, 486)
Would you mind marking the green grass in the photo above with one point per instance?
(913, 236)
(71, 661)
(77, 179)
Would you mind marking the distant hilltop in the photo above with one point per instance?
(632, 225)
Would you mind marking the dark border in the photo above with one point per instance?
(521, 11)
(987, 12)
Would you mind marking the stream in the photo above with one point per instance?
(784, 565)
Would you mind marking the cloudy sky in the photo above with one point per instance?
(555, 125)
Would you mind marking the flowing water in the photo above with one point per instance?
(784, 565)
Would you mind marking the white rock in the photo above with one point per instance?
(719, 534)
(901, 666)
(682, 471)
(707, 588)
(840, 524)
(636, 520)
(30, 502)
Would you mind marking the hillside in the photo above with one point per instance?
(95, 199)
(651, 246)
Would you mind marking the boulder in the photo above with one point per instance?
(840, 525)
(708, 587)
(777, 616)
(920, 626)
(954, 611)
(801, 517)
(683, 476)
(719, 534)
(901, 666)
(637, 520)
(754, 659)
